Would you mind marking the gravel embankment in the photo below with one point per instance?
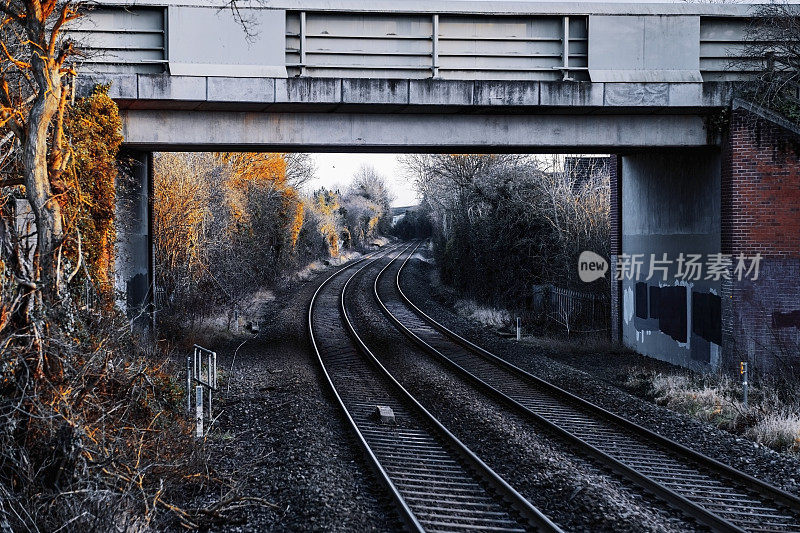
(567, 488)
(598, 377)
(280, 435)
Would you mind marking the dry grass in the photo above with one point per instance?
(423, 257)
(379, 240)
(712, 403)
(717, 399)
(485, 316)
(779, 430)
(94, 437)
(308, 272)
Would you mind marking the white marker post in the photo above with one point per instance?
(199, 411)
(189, 383)
(519, 328)
(208, 381)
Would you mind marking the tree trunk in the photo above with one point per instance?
(45, 207)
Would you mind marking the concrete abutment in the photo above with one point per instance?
(742, 202)
(134, 268)
(668, 201)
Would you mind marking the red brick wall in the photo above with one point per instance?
(761, 214)
(760, 189)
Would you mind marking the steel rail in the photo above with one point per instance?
(523, 506)
(708, 513)
(419, 457)
(406, 516)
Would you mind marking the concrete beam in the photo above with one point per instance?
(160, 91)
(200, 130)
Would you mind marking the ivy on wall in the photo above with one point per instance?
(94, 129)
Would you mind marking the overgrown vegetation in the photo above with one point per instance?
(773, 53)
(771, 416)
(504, 224)
(92, 437)
(93, 127)
(228, 225)
(91, 434)
(415, 224)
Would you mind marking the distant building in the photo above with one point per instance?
(398, 213)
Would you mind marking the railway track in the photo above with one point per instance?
(716, 495)
(437, 483)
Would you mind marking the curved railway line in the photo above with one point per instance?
(437, 483)
(715, 494)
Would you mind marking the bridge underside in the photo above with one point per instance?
(163, 112)
(386, 132)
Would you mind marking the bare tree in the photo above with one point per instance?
(370, 184)
(300, 169)
(773, 50)
(503, 223)
(34, 80)
(366, 204)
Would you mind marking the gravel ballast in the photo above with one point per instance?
(598, 378)
(568, 489)
(281, 436)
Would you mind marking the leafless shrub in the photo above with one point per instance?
(504, 223)
(483, 315)
(93, 438)
(228, 225)
(365, 206)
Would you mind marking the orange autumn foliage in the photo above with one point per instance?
(255, 167)
(270, 170)
(327, 205)
(94, 129)
(297, 221)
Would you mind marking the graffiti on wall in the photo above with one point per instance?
(665, 309)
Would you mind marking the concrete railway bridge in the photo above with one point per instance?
(647, 83)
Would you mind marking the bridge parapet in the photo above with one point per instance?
(515, 41)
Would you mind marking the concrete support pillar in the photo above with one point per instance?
(669, 205)
(742, 203)
(134, 257)
(615, 237)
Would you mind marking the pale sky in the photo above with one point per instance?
(336, 170)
